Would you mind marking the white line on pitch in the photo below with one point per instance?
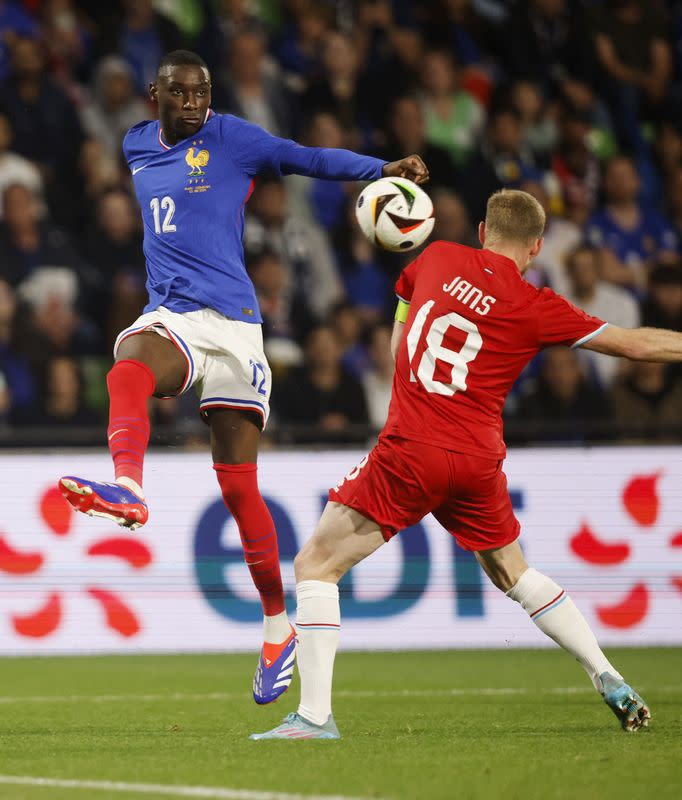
(215, 793)
(458, 692)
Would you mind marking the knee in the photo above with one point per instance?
(315, 562)
(504, 579)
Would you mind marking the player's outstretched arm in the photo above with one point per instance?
(638, 344)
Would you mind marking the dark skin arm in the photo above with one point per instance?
(412, 168)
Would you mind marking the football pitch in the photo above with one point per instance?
(466, 724)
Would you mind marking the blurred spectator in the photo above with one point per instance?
(115, 283)
(341, 91)
(26, 241)
(286, 317)
(347, 325)
(560, 238)
(452, 219)
(234, 16)
(142, 38)
(321, 200)
(301, 245)
(51, 293)
(407, 134)
(547, 40)
(668, 148)
(68, 37)
(500, 160)
(15, 372)
(600, 299)
(15, 169)
(673, 194)
(367, 283)
(454, 118)
(576, 166)
(250, 88)
(45, 124)
(629, 236)
(322, 392)
(540, 133)
(634, 54)
(563, 395)
(14, 22)
(663, 307)
(378, 379)
(462, 29)
(649, 400)
(113, 106)
(98, 170)
(299, 46)
(63, 402)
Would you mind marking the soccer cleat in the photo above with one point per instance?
(295, 727)
(275, 670)
(109, 500)
(625, 703)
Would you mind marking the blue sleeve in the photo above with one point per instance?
(255, 151)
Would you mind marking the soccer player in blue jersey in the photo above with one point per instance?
(193, 172)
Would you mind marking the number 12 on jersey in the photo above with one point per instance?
(436, 351)
(167, 205)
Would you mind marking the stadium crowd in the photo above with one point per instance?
(578, 103)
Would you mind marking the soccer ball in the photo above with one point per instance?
(395, 214)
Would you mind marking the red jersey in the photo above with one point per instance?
(473, 325)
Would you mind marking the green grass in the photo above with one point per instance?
(534, 744)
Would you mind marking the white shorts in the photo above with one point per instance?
(225, 359)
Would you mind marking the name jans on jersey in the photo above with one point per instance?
(469, 295)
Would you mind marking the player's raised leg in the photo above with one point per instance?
(146, 364)
(235, 435)
(555, 614)
(342, 539)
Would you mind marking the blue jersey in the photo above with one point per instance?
(192, 196)
(652, 235)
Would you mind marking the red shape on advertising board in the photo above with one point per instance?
(591, 549)
(629, 612)
(640, 498)
(56, 512)
(42, 622)
(14, 562)
(118, 616)
(133, 551)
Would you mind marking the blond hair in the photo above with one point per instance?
(513, 216)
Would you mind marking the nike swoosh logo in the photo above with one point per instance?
(139, 169)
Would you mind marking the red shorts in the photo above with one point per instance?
(401, 481)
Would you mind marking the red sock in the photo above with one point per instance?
(239, 487)
(131, 384)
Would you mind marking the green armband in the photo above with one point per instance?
(402, 311)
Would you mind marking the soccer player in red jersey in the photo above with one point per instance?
(466, 326)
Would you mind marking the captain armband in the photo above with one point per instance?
(402, 311)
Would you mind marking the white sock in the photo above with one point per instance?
(553, 611)
(276, 629)
(129, 483)
(318, 622)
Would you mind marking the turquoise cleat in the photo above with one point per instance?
(625, 703)
(295, 727)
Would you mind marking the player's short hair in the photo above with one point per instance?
(515, 216)
(181, 58)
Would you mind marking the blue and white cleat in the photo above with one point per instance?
(275, 670)
(295, 727)
(625, 703)
(109, 500)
